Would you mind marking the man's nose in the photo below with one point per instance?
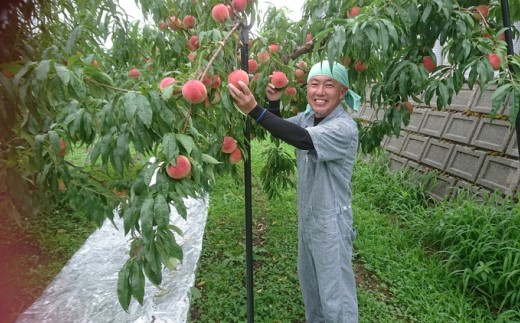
(320, 89)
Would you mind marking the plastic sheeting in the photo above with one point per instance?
(85, 289)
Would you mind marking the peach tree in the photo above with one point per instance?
(149, 101)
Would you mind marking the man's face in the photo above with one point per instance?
(324, 94)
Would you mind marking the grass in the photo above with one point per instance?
(415, 260)
(402, 276)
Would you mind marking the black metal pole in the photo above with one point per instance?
(510, 51)
(244, 37)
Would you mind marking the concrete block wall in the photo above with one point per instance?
(461, 143)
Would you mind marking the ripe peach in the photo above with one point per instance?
(181, 169)
(238, 75)
(302, 64)
(174, 23)
(193, 43)
(354, 11)
(165, 82)
(291, 91)
(359, 66)
(194, 91)
(275, 48)
(215, 81)
(229, 144)
(63, 147)
(189, 21)
(263, 57)
(308, 38)
(239, 5)
(408, 105)
(252, 65)
(481, 12)
(134, 73)
(230, 10)
(494, 60)
(162, 25)
(235, 156)
(300, 75)
(345, 61)
(191, 56)
(206, 80)
(279, 79)
(220, 13)
(428, 63)
(95, 63)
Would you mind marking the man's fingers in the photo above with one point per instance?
(244, 87)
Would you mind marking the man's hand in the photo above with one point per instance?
(243, 98)
(272, 93)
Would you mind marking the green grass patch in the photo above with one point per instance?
(401, 275)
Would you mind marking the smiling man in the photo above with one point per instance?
(326, 138)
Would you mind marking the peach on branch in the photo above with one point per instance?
(428, 63)
(230, 10)
(274, 48)
(220, 13)
(193, 43)
(252, 65)
(181, 169)
(194, 91)
(279, 79)
(235, 156)
(165, 82)
(291, 91)
(63, 147)
(300, 75)
(263, 57)
(353, 12)
(481, 12)
(494, 60)
(359, 66)
(162, 25)
(134, 73)
(191, 56)
(229, 144)
(174, 23)
(239, 5)
(215, 81)
(189, 21)
(407, 104)
(238, 75)
(308, 38)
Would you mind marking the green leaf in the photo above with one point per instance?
(42, 70)
(130, 104)
(146, 215)
(186, 141)
(137, 282)
(170, 148)
(161, 211)
(72, 39)
(144, 110)
(124, 292)
(63, 73)
(209, 159)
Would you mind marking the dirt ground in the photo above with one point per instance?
(20, 255)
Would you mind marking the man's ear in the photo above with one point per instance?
(344, 91)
